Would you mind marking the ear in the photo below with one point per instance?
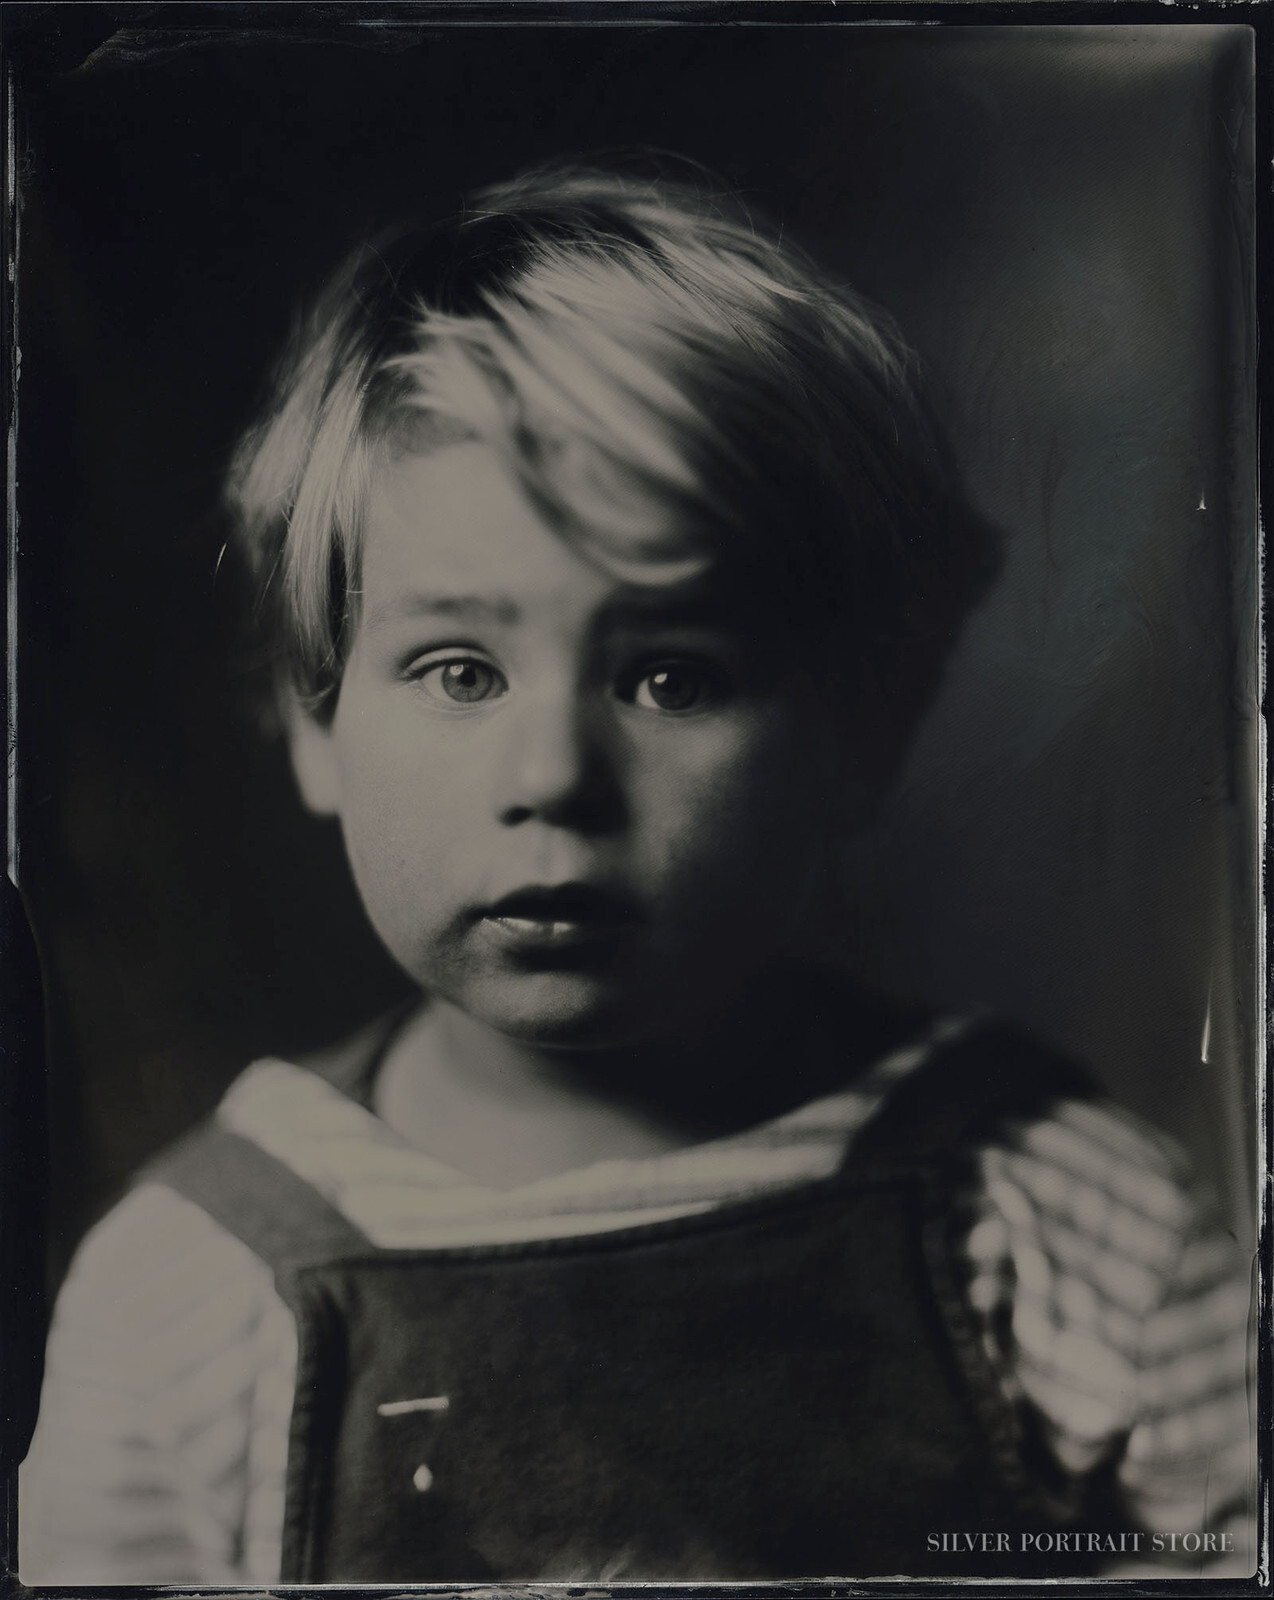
(313, 752)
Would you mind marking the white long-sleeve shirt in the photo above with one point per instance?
(1107, 1301)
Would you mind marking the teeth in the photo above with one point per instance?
(551, 930)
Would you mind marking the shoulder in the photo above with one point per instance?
(154, 1281)
(1048, 1148)
(1091, 1168)
(167, 1344)
(1108, 1291)
(1087, 1211)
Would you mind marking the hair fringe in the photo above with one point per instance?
(669, 378)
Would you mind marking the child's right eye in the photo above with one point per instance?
(462, 680)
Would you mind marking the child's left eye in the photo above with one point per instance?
(675, 686)
(463, 680)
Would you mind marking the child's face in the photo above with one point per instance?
(587, 812)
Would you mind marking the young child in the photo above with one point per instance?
(612, 557)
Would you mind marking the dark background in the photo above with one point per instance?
(1059, 217)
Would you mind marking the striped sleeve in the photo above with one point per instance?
(165, 1334)
(1117, 1314)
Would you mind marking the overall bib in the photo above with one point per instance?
(783, 1388)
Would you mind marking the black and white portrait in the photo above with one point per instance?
(634, 684)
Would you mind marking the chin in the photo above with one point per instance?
(555, 1011)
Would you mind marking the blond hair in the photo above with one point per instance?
(671, 383)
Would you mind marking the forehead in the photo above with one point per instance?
(454, 523)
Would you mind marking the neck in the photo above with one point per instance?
(756, 1059)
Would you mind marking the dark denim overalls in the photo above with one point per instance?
(784, 1388)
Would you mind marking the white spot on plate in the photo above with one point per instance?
(403, 1408)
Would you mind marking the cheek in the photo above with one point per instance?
(742, 811)
(404, 819)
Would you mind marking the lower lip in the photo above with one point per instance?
(534, 933)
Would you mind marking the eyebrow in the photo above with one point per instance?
(462, 607)
(639, 608)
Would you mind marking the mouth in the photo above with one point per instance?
(559, 918)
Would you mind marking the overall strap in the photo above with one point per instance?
(988, 1072)
(949, 1105)
(279, 1216)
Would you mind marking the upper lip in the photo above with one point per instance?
(566, 902)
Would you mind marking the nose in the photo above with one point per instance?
(560, 765)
